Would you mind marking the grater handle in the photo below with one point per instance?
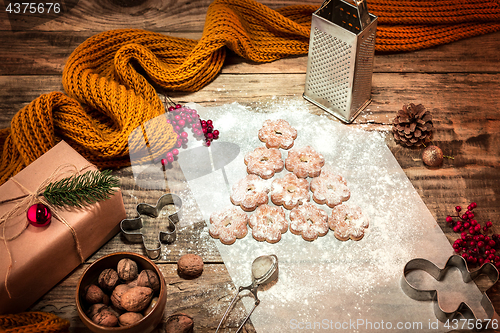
(364, 16)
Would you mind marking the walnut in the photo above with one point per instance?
(136, 299)
(108, 279)
(104, 317)
(179, 323)
(129, 318)
(94, 308)
(94, 295)
(127, 269)
(190, 266)
(148, 278)
(117, 295)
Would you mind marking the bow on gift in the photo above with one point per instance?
(67, 186)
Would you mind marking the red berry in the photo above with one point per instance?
(184, 135)
(178, 106)
(491, 243)
(169, 154)
(480, 244)
(458, 208)
(182, 123)
(470, 215)
(489, 224)
(457, 250)
(175, 152)
(477, 228)
(456, 229)
(177, 128)
(171, 108)
(209, 122)
(216, 132)
(473, 204)
(464, 217)
(210, 136)
(473, 222)
(207, 143)
(164, 161)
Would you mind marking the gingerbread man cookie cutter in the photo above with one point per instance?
(131, 227)
(437, 273)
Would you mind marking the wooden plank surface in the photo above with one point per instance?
(458, 82)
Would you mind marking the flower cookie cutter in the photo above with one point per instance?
(437, 273)
(131, 227)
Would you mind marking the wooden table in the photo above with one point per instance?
(459, 83)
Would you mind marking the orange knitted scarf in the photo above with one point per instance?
(106, 97)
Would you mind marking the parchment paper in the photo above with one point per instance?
(329, 285)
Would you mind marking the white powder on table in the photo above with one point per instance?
(327, 278)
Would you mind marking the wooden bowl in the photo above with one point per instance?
(146, 324)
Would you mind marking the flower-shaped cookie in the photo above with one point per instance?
(309, 221)
(277, 134)
(228, 224)
(250, 192)
(330, 188)
(304, 162)
(347, 221)
(264, 162)
(268, 223)
(289, 191)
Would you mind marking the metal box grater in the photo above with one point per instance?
(340, 61)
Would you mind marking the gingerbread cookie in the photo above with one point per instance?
(250, 192)
(277, 134)
(309, 221)
(264, 162)
(268, 223)
(304, 162)
(228, 224)
(347, 221)
(330, 188)
(289, 191)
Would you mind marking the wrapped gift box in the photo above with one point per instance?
(40, 257)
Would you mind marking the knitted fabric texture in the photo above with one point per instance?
(107, 98)
(33, 322)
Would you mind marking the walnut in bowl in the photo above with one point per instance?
(133, 303)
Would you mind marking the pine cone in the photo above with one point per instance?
(412, 125)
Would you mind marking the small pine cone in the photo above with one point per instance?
(412, 125)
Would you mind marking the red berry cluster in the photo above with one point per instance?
(181, 117)
(474, 245)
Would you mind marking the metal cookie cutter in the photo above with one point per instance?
(130, 227)
(457, 261)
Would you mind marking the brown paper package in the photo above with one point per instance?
(43, 256)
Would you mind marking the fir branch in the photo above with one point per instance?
(81, 190)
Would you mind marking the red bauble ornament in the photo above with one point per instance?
(39, 215)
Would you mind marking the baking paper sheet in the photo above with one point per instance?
(329, 285)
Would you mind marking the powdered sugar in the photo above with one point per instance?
(357, 273)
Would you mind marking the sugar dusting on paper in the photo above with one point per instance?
(326, 276)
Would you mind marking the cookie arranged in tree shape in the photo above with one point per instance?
(289, 191)
(304, 162)
(347, 221)
(330, 188)
(277, 134)
(250, 192)
(228, 224)
(309, 221)
(264, 162)
(268, 223)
